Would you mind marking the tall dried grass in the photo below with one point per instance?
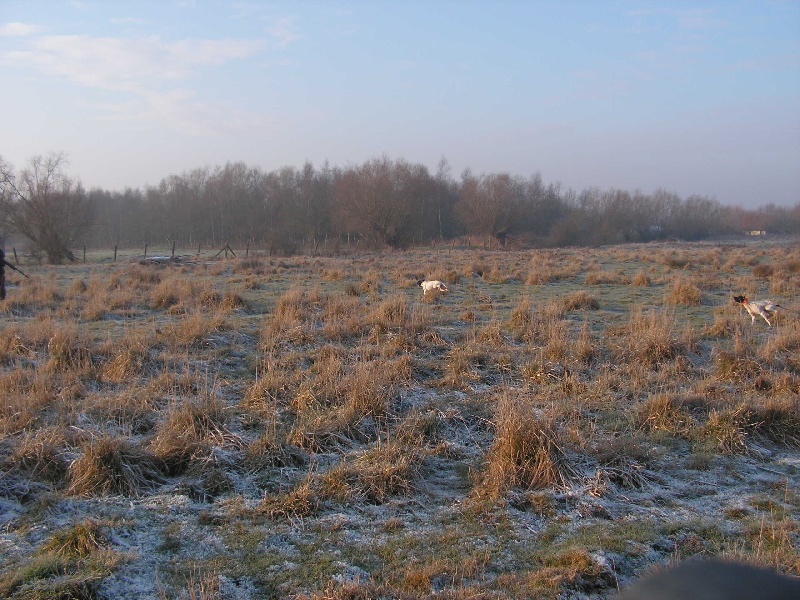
(650, 338)
(42, 454)
(684, 293)
(355, 407)
(526, 452)
(68, 350)
(663, 412)
(357, 392)
(185, 438)
(113, 465)
(386, 469)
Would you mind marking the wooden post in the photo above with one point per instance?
(145, 250)
(16, 260)
(247, 250)
(115, 253)
(173, 248)
(84, 253)
(198, 248)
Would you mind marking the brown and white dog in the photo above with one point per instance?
(432, 286)
(758, 308)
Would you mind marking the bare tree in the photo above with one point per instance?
(45, 206)
(490, 205)
(383, 200)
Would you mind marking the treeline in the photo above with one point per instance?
(394, 203)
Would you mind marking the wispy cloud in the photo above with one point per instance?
(281, 29)
(687, 19)
(128, 21)
(147, 71)
(776, 62)
(128, 65)
(18, 29)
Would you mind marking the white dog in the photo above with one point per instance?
(758, 308)
(431, 286)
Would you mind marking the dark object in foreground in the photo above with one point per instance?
(3, 264)
(714, 579)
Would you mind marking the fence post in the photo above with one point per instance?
(84, 253)
(115, 253)
(173, 248)
(145, 250)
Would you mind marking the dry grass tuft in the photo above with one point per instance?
(683, 293)
(391, 314)
(194, 329)
(641, 279)
(342, 408)
(723, 326)
(677, 260)
(665, 413)
(737, 366)
(598, 277)
(725, 431)
(522, 316)
(462, 366)
(143, 277)
(68, 351)
(190, 430)
(525, 453)
(385, 470)
(128, 361)
(496, 275)
(620, 464)
(113, 465)
(649, 338)
(776, 419)
(42, 454)
(581, 300)
(133, 410)
(82, 539)
(763, 271)
(301, 501)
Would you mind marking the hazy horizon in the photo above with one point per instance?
(697, 98)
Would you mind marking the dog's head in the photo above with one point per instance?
(420, 282)
(739, 299)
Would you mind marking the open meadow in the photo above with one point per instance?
(559, 423)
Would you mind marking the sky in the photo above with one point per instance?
(695, 98)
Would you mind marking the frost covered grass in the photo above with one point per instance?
(312, 427)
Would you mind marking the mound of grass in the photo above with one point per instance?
(113, 465)
(526, 452)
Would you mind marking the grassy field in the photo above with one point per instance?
(559, 423)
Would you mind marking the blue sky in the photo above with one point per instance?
(697, 97)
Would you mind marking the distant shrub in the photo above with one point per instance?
(762, 271)
(600, 278)
(581, 300)
(684, 292)
(641, 279)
